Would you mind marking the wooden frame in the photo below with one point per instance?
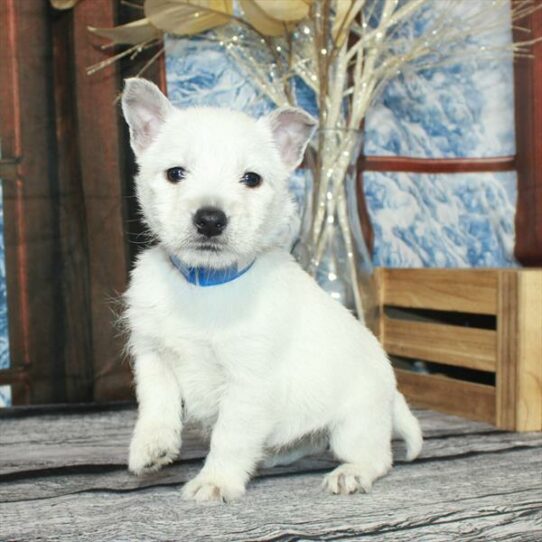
(511, 350)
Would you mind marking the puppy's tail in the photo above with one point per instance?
(407, 427)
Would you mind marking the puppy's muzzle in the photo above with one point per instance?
(210, 221)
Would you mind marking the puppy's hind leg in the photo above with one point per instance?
(362, 441)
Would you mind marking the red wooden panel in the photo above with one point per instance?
(438, 165)
(15, 252)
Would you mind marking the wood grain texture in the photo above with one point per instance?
(64, 479)
(439, 165)
(11, 149)
(294, 508)
(529, 361)
(528, 89)
(513, 351)
(471, 482)
(102, 438)
(453, 345)
(475, 401)
(519, 363)
(74, 333)
(104, 191)
(31, 246)
(458, 290)
(507, 352)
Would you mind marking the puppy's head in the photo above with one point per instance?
(212, 183)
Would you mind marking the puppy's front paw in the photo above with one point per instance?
(205, 488)
(152, 447)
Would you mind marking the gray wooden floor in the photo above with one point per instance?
(63, 477)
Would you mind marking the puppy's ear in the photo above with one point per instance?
(292, 129)
(145, 109)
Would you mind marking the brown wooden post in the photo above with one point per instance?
(519, 351)
(75, 331)
(104, 195)
(12, 188)
(27, 134)
(528, 90)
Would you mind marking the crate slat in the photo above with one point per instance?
(457, 290)
(529, 404)
(452, 345)
(505, 380)
(474, 401)
(519, 364)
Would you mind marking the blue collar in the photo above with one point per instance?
(206, 276)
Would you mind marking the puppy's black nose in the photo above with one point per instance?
(210, 221)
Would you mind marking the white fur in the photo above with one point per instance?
(265, 361)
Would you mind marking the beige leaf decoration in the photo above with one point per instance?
(285, 10)
(184, 17)
(132, 33)
(63, 4)
(259, 19)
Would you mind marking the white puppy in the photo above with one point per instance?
(226, 328)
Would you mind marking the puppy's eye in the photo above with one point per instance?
(175, 174)
(251, 179)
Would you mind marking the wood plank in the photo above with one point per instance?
(411, 164)
(529, 361)
(30, 232)
(82, 437)
(70, 479)
(98, 499)
(452, 345)
(459, 290)
(103, 182)
(519, 373)
(94, 438)
(437, 424)
(294, 507)
(528, 109)
(11, 149)
(474, 401)
(507, 351)
(75, 326)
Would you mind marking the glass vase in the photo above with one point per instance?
(331, 246)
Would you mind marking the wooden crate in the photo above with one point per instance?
(511, 348)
